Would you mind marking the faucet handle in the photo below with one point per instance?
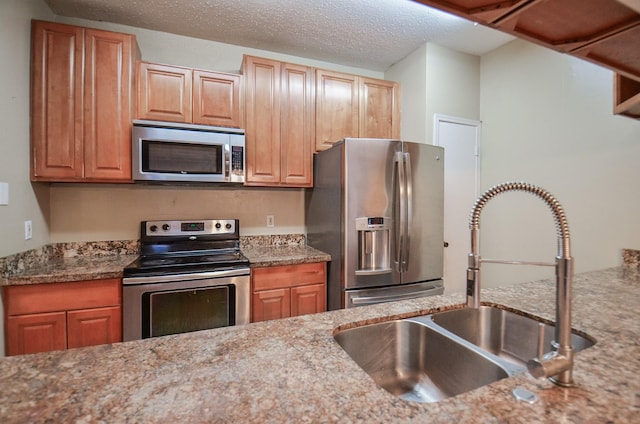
(554, 365)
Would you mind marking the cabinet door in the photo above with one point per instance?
(262, 119)
(271, 304)
(36, 333)
(56, 101)
(309, 299)
(379, 109)
(164, 92)
(109, 59)
(296, 125)
(216, 99)
(90, 327)
(336, 107)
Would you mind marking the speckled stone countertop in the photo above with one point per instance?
(292, 370)
(67, 262)
(72, 269)
(283, 255)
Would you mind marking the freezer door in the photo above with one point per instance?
(368, 223)
(424, 239)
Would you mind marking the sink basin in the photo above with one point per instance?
(510, 336)
(437, 356)
(417, 363)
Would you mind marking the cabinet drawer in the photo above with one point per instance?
(288, 276)
(29, 299)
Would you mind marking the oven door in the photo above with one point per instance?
(172, 304)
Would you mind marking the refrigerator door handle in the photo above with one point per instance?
(408, 209)
(399, 209)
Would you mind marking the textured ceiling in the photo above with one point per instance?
(370, 34)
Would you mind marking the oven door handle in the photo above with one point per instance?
(219, 273)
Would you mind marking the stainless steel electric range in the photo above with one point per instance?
(190, 276)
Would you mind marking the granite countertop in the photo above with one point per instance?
(96, 267)
(292, 370)
(77, 268)
(283, 255)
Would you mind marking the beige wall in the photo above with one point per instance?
(453, 85)
(95, 212)
(25, 202)
(411, 73)
(547, 119)
(435, 79)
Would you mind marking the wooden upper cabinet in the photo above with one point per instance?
(178, 94)
(109, 77)
(56, 101)
(355, 106)
(606, 32)
(626, 96)
(262, 114)
(81, 103)
(296, 125)
(216, 99)
(337, 107)
(379, 109)
(164, 92)
(279, 123)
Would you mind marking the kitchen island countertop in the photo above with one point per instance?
(292, 370)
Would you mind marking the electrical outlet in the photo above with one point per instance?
(271, 222)
(28, 230)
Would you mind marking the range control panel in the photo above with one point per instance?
(187, 228)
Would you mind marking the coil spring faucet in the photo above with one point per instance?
(558, 364)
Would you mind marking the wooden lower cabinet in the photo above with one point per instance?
(271, 304)
(35, 333)
(90, 327)
(288, 290)
(56, 316)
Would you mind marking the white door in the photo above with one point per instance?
(461, 141)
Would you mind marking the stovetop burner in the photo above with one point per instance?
(180, 247)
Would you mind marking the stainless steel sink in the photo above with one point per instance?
(433, 357)
(510, 336)
(417, 363)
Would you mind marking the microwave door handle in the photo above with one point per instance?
(227, 163)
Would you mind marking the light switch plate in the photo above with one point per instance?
(4, 194)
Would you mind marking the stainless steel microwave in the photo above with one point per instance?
(175, 152)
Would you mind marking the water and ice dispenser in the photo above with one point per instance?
(373, 245)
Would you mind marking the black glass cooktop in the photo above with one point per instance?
(185, 262)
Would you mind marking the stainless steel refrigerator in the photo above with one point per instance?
(377, 208)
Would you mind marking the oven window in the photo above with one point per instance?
(181, 311)
(181, 158)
